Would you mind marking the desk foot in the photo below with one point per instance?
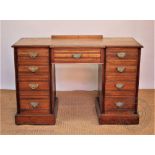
(116, 119)
(48, 119)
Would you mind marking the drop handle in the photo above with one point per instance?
(33, 86)
(119, 104)
(76, 56)
(121, 55)
(120, 69)
(119, 85)
(33, 55)
(34, 104)
(33, 69)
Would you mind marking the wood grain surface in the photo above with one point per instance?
(105, 42)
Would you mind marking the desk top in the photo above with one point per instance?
(90, 41)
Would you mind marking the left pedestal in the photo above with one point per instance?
(35, 86)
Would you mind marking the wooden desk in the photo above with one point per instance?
(118, 76)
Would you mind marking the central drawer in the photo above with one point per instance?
(76, 55)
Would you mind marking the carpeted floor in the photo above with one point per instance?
(77, 115)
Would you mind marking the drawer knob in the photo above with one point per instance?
(34, 104)
(121, 55)
(33, 55)
(119, 85)
(33, 85)
(33, 69)
(119, 104)
(120, 69)
(76, 56)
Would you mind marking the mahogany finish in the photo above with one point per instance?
(118, 62)
(77, 37)
(86, 55)
(43, 103)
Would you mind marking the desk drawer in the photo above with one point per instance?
(121, 70)
(77, 55)
(120, 85)
(33, 56)
(118, 104)
(34, 106)
(122, 54)
(33, 69)
(33, 52)
(33, 86)
(33, 73)
(29, 61)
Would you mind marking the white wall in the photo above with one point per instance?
(0, 57)
(82, 77)
(154, 52)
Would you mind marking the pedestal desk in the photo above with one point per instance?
(118, 62)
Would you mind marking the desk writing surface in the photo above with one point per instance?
(101, 43)
(33, 42)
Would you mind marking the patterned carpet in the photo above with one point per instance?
(77, 115)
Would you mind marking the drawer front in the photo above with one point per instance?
(33, 56)
(120, 85)
(77, 55)
(29, 61)
(33, 69)
(28, 52)
(34, 104)
(33, 73)
(117, 70)
(33, 86)
(122, 54)
(116, 104)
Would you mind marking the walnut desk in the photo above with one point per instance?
(118, 62)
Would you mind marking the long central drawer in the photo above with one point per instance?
(76, 55)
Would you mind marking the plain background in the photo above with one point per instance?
(81, 9)
(78, 76)
(0, 58)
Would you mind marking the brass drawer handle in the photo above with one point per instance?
(34, 104)
(33, 55)
(119, 85)
(33, 69)
(76, 56)
(120, 69)
(33, 85)
(121, 55)
(119, 104)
